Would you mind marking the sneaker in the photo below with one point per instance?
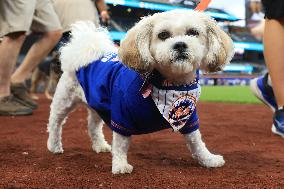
(263, 91)
(9, 106)
(20, 91)
(278, 123)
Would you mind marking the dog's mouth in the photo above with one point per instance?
(180, 57)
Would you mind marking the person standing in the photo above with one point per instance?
(270, 87)
(17, 18)
(70, 11)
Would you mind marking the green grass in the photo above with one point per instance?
(230, 94)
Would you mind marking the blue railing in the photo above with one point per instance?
(117, 36)
(238, 68)
(249, 46)
(165, 7)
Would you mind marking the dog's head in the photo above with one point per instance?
(176, 43)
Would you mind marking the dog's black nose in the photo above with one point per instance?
(180, 46)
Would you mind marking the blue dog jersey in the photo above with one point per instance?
(112, 90)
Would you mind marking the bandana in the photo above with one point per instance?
(177, 104)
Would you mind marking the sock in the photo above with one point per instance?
(281, 108)
(269, 81)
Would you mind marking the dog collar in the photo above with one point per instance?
(147, 85)
(154, 78)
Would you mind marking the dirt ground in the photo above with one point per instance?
(254, 156)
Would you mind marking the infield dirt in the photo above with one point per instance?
(241, 133)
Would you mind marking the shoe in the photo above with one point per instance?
(9, 106)
(20, 91)
(263, 91)
(278, 123)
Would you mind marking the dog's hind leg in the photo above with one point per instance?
(95, 130)
(120, 145)
(64, 101)
(201, 153)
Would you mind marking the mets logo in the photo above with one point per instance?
(181, 111)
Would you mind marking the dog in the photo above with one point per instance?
(150, 83)
(47, 73)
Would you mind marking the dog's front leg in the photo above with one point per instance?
(201, 153)
(120, 145)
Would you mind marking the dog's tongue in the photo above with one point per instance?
(146, 90)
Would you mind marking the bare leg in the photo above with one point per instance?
(95, 130)
(120, 145)
(9, 52)
(274, 56)
(37, 53)
(64, 101)
(200, 152)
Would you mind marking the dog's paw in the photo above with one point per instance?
(102, 147)
(211, 161)
(54, 148)
(122, 168)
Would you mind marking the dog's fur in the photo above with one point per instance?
(208, 48)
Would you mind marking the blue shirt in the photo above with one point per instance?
(112, 90)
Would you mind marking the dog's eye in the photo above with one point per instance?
(164, 35)
(192, 32)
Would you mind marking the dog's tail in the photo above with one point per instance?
(87, 44)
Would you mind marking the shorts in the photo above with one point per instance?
(274, 9)
(27, 15)
(71, 11)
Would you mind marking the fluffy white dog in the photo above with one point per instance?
(151, 85)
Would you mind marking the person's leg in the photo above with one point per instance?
(9, 52)
(36, 53)
(274, 56)
(42, 19)
(15, 21)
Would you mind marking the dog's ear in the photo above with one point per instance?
(220, 47)
(134, 50)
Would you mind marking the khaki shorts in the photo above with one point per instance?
(70, 11)
(27, 15)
